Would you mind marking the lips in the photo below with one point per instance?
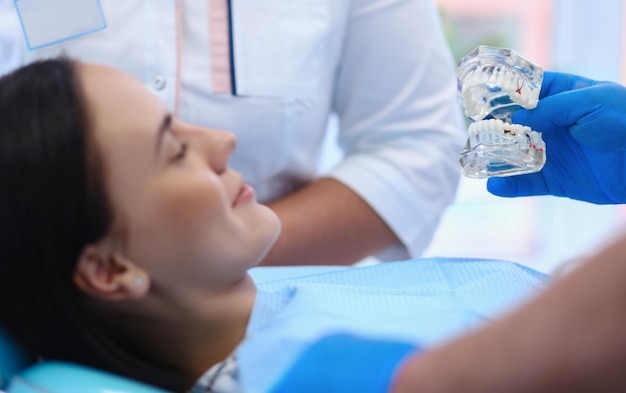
(246, 193)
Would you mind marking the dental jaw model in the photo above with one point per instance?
(492, 84)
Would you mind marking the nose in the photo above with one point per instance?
(215, 146)
(220, 146)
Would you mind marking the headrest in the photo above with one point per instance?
(12, 359)
(60, 377)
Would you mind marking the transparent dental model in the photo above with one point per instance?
(492, 84)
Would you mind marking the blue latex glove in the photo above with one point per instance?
(583, 123)
(342, 363)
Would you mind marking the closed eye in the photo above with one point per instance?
(182, 152)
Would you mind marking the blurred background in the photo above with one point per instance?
(577, 36)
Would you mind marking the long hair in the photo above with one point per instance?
(53, 204)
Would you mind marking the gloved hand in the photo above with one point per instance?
(583, 123)
(340, 363)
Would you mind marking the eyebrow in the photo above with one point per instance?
(163, 128)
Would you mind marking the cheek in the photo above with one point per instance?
(190, 212)
(176, 219)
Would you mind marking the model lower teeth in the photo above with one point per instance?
(496, 148)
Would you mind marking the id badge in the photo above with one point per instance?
(47, 22)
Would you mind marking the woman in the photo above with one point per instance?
(167, 184)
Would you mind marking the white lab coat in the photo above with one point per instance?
(381, 65)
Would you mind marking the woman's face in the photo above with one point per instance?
(180, 213)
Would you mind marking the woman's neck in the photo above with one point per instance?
(195, 338)
(220, 336)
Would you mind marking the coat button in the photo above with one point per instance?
(159, 82)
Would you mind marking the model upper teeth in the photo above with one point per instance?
(490, 88)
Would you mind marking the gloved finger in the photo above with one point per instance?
(556, 111)
(604, 130)
(595, 115)
(516, 186)
(558, 82)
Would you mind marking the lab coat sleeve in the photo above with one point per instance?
(400, 125)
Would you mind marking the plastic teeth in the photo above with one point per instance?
(495, 131)
(496, 148)
(485, 92)
(495, 82)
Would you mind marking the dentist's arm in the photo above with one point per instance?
(327, 222)
(570, 338)
(400, 132)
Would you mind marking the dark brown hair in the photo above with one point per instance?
(52, 204)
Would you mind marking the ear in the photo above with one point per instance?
(109, 276)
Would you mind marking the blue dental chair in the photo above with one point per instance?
(11, 360)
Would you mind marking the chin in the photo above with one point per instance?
(274, 227)
(268, 227)
(271, 240)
